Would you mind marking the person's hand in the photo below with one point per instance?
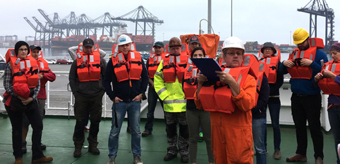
(137, 98)
(225, 77)
(318, 76)
(41, 76)
(327, 73)
(27, 101)
(201, 78)
(117, 100)
(21, 98)
(288, 63)
(306, 62)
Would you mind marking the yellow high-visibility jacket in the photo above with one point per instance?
(171, 93)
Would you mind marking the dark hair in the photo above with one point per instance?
(196, 49)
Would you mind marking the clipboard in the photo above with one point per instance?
(207, 67)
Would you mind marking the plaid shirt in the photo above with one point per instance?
(8, 83)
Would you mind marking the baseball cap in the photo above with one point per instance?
(32, 47)
(194, 39)
(158, 44)
(88, 42)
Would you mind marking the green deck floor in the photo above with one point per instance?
(58, 131)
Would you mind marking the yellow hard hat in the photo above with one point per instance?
(300, 35)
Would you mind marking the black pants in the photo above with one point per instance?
(33, 115)
(84, 106)
(307, 107)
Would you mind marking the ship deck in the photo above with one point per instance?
(58, 131)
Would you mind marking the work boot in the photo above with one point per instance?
(24, 149)
(318, 161)
(43, 147)
(146, 133)
(111, 161)
(94, 150)
(43, 160)
(169, 156)
(297, 158)
(18, 161)
(77, 152)
(184, 159)
(277, 154)
(137, 160)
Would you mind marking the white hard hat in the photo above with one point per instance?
(233, 42)
(124, 39)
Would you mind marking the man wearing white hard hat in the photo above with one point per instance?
(128, 76)
(231, 132)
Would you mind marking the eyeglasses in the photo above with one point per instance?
(233, 53)
(23, 49)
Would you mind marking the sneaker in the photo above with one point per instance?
(277, 154)
(43, 160)
(169, 156)
(200, 138)
(318, 161)
(43, 147)
(146, 133)
(111, 161)
(18, 161)
(128, 130)
(184, 159)
(297, 158)
(137, 160)
(87, 128)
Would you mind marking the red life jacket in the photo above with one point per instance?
(88, 66)
(154, 61)
(173, 66)
(190, 80)
(272, 63)
(328, 85)
(304, 72)
(42, 63)
(185, 50)
(130, 69)
(23, 70)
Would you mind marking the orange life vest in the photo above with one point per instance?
(173, 66)
(218, 97)
(328, 85)
(304, 72)
(42, 63)
(130, 69)
(154, 61)
(190, 80)
(272, 63)
(23, 70)
(88, 66)
(185, 50)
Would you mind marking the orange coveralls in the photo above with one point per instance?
(231, 134)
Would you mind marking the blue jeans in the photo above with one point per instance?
(259, 132)
(334, 120)
(152, 101)
(133, 110)
(274, 110)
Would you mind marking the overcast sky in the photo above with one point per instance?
(253, 20)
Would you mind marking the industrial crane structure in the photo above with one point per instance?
(320, 8)
(83, 25)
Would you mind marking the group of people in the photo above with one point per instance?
(230, 112)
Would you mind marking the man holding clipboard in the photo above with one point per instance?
(232, 101)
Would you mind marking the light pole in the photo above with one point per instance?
(231, 11)
(290, 37)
